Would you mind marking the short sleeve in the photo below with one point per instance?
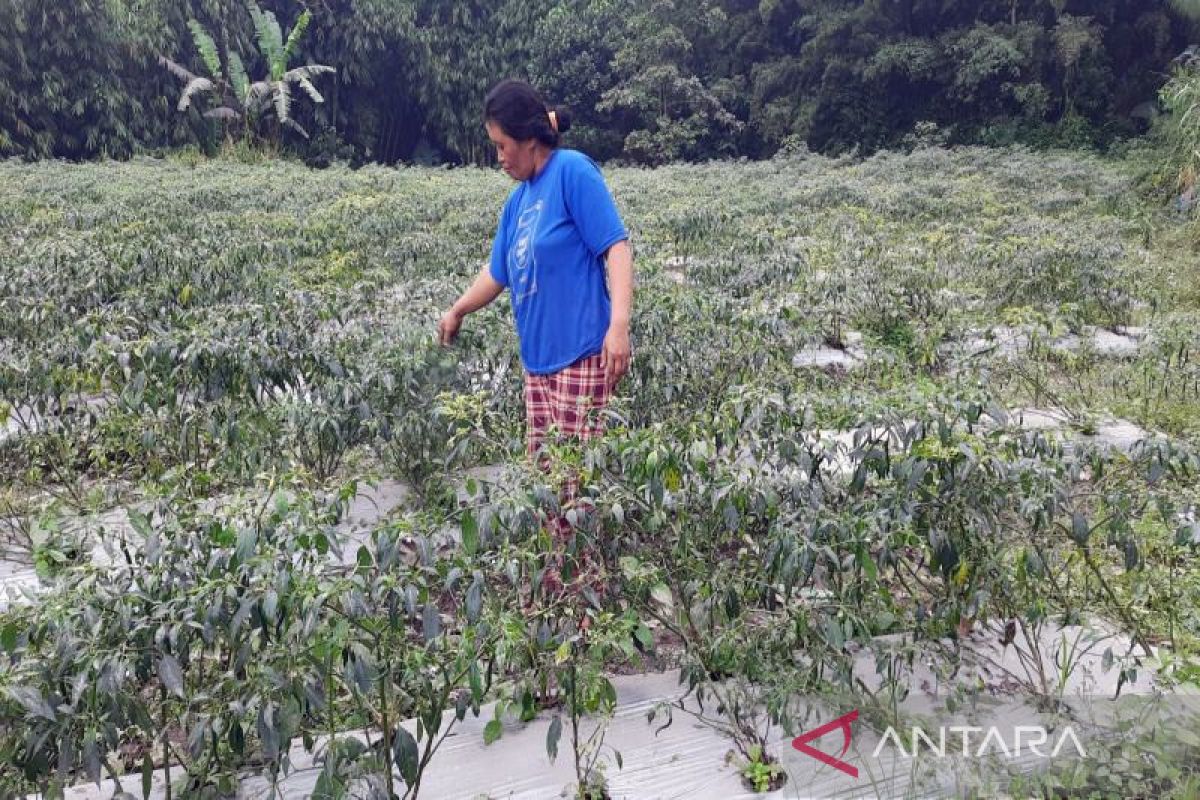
(591, 206)
(499, 263)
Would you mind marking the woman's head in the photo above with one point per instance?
(521, 126)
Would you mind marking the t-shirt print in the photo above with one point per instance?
(522, 256)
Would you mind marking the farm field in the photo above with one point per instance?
(917, 420)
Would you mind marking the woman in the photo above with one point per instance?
(558, 231)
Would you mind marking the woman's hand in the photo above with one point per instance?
(484, 290)
(616, 354)
(448, 327)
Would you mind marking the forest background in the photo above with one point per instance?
(649, 82)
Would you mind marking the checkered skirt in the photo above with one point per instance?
(567, 403)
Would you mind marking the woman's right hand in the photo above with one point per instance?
(484, 290)
(448, 327)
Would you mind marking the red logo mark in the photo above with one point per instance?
(843, 722)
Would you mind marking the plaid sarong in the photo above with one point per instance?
(559, 407)
(568, 401)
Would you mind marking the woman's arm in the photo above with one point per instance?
(484, 290)
(616, 353)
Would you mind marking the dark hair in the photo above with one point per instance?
(522, 114)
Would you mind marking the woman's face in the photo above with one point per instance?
(516, 158)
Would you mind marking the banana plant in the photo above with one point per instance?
(241, 99)
(275, 89)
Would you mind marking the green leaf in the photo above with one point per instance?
(470, 533)
(863, 556)
(197, 736)
(240, 81)
(241, 615)
(328, 787)
(859, 480)
(1080, 530)
(475, 599)
(731, 516)
(296, 34)
(268, 731)
(461, 704)
(237, 738)
(171, 674)
(608, 692)
(1187, 736)
(246, 544)
(492, 731)
(207, 47)
(431, 623)
(644, 636)
(140, 523)
(91, 758)
(475, 681)
(270, 605)
(1132, 556)
(552, 737)
(147, 776)
(32, 701)
(404, 751)
(8, 637)
(364, 559)
(270, 40)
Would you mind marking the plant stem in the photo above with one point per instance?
(579, 775)
(385, 724)
(166, 751)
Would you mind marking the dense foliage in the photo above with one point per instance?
(651, 82)
(231, 352)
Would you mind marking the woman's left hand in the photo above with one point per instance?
(616, 354)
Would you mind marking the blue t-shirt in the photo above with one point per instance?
(553, 233)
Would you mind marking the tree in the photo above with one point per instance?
(375, 48)
(653, 81)
(69, 74)
(573, 66)
(668, 110)
(1073, 38)
(466, 48)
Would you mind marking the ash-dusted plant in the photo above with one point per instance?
(216, 642)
